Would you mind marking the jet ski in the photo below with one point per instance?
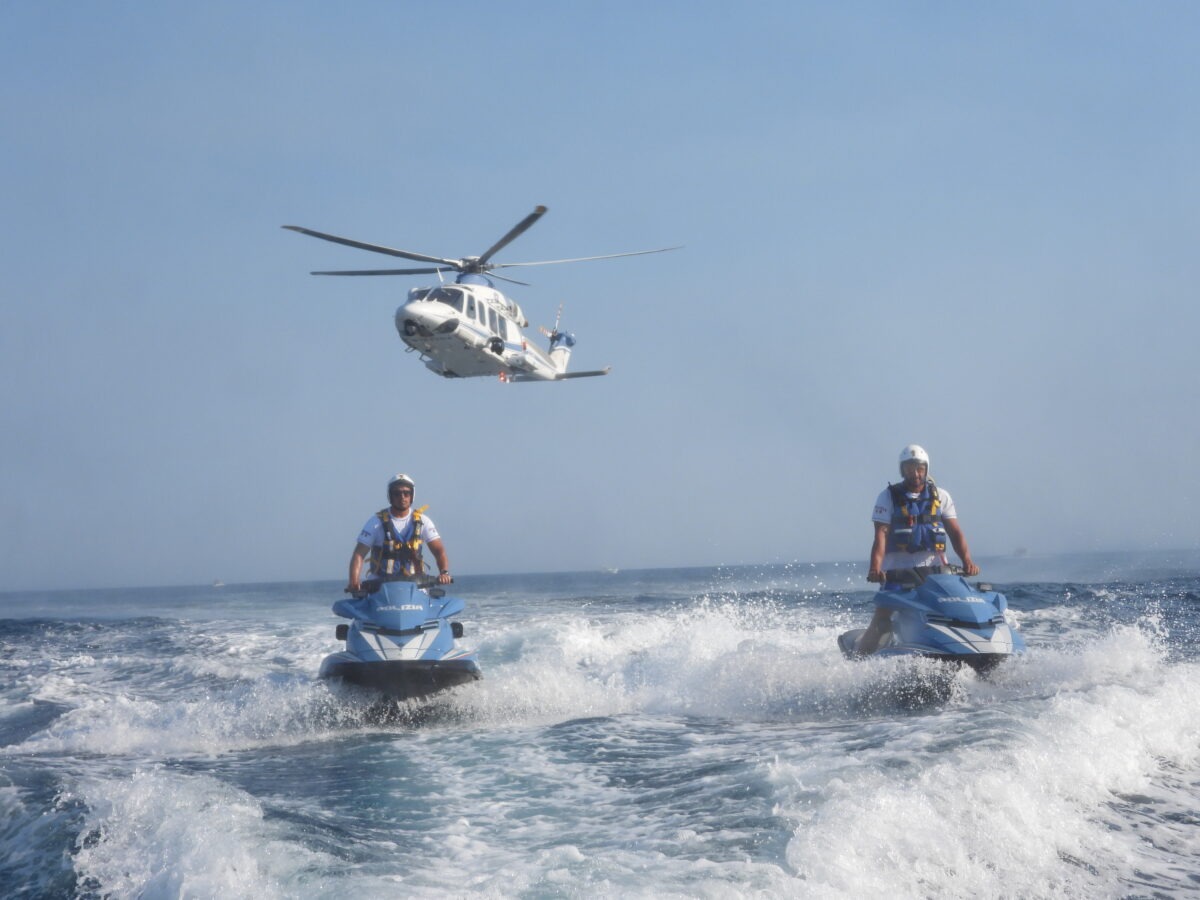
(938, 615)
(400, 642)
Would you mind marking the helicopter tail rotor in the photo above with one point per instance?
(557, 319)
(561, 342)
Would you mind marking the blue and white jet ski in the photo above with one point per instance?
(400, 641)
(941, 616)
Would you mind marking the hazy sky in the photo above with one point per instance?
(972, 226)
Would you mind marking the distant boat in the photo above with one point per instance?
(218, 583)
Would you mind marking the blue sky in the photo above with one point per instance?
(971, 226)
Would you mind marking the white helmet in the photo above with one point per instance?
(401, 479)
(911, 453)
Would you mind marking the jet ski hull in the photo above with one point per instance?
(401, 679)
(942, 617)
(400, 642)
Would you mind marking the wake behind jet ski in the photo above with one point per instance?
(940, 616)
(401, 642)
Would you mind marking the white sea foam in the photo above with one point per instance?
(161, 834)
(716, 748)
(1029, 813)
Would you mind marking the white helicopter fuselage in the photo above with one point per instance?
(469, 329)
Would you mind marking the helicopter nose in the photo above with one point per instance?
(428, 315)
(420, 318)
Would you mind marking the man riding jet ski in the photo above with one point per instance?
(913, 520)
(400, 642)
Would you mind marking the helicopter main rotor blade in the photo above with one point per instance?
(376, 248)
(380, 272)
(506, 278)
(517, 230)
(551, 262)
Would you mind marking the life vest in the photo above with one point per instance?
(916, 522)
(398, 555)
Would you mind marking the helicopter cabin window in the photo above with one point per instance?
(504, 328)
(471, 307)
(492, 320)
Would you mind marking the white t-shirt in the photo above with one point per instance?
(372, 532)
(902, 559)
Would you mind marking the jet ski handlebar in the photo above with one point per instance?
(426, 583)
(915, 577)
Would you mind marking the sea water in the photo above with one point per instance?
(662, 733)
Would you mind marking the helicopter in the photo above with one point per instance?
(469, 328)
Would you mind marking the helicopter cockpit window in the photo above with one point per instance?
(471, 307)
(449, 296)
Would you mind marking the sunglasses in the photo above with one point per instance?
(400, 491)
